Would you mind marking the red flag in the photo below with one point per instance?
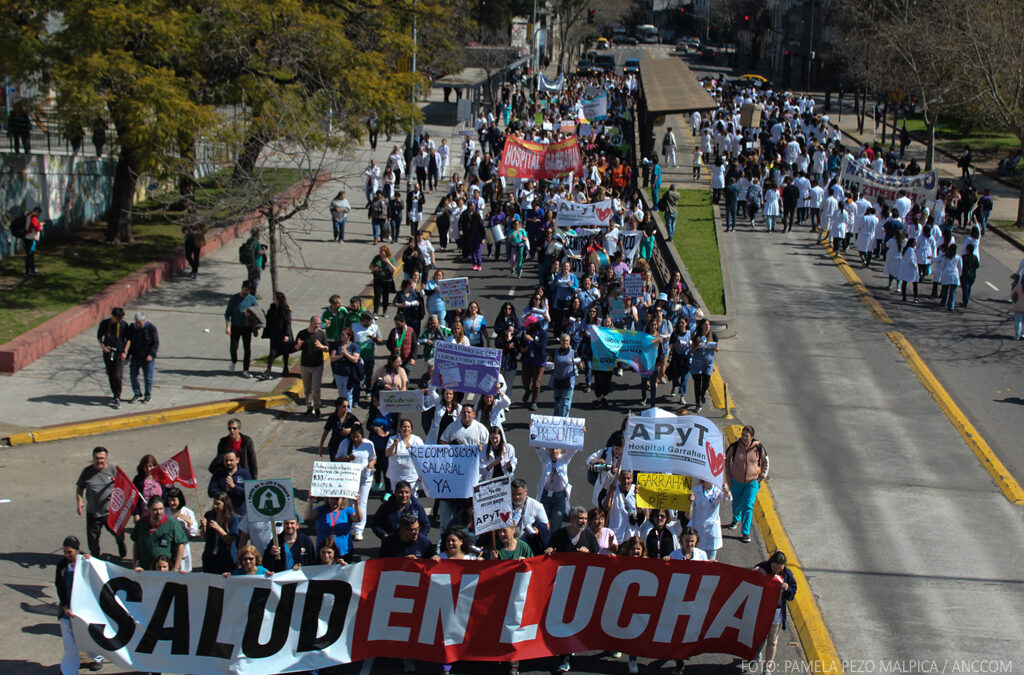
(123, 499)
(176, 469)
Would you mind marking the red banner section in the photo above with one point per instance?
(124, 497)
(540, 161)
(177, 469)
(544, 606)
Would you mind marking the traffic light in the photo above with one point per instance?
(590, 16)
(746, 18)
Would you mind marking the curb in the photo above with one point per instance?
(1004, 480)
(858, 286)
(168, 416)
(44, 338)
(815, 640)
(1013, 241)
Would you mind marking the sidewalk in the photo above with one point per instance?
(69, 384)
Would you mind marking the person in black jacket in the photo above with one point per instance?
(385, 521)
(64, 581)
(295, 550)
(144, 341)
(279, 331)
(790, 199)
(243, 447)
(113, 338)
(775, 566)
(575, 537)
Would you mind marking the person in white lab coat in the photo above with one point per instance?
(705, 501)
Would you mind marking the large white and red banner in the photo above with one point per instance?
(540, 161)
(177, 469)
(443, 612)
(124, 497)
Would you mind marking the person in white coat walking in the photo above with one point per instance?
(772, 205)
(908, 268)
(865, 242)
(705, 501)
(950, 278)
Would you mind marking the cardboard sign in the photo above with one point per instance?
(335, 479)
(492, 505)
(269, 500)
(401, 402)
(557, 432)
(633, 285)
(447, 471)
(471, 370)
(663, 491)
(454, 292)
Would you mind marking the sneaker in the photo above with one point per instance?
(231, 368)
(564, 666)
(116, 403)
(309, 412)
(699, 408)
(358, 537)
(95, 666)
(246, 374)
(147, 399)
(745, 539)
(733, 525)
(316, 412)
(632, 667)
(533, 406)
(135, 397)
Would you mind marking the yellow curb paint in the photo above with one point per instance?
(858, 286)
(717, 389)
(1004, 480)
(819, 649)
(92, 428)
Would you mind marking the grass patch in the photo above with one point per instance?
(697, 243)
(986, 146)
(1007, 225)
(81, 263)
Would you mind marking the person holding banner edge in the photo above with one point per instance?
(64, 580)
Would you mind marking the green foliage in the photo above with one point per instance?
(697, 243)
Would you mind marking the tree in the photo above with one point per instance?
(991, 47)
(905, 43)
(571, 26)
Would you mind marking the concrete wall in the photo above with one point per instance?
(70, 189)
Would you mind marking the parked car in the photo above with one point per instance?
(605, 63)
(586, 67)
(627, 40)
(602, 43)
(631, 66)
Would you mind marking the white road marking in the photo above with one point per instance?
(989, 284)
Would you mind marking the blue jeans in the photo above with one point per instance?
(965, 290)
(380, 228)
(344, 390)
(1018, 325)
(339, 228)
(556, 505)
(743, 497)
(563, 402)
(133, 375)
(670, 225)
(730, 217)
(770, 222)
(949, 296)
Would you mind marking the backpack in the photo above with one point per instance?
(19, 226)
(245, 255)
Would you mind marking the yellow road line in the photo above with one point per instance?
(94, 427)
(858, 286)
(819, 649)
(1006, 483)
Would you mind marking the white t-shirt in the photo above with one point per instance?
(400, 464)
(698, 554)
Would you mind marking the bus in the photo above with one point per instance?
(647, 33)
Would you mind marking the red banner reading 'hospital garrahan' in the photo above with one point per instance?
(540, 161)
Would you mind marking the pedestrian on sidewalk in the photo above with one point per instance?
(252, 254)
(143, 343)
(378, 209)
(969, 273)
(372, 185)
(113, 338)
(96, 483)
(279, 331)
(340, 208)
(312, 341)
(717, 180)
(732, 203)
(33, 232)
(697, 162)
(746, 463)
(195, 240)
(668, 147)
(655, 182)
(670, 209)
(236, 326)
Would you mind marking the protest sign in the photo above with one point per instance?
(447, 471)
(663, 491)
(335, 479)
(611, 345)
(574, 214)
(557, 432)
(472, 370)
(596, 108)
(401, 402)
(875, 186)
(269, 500)
(586, 130)
(541, 161)
(629, 242)
(321, 616)
(454, 292)
(567, 127)
(687, 445)
(633, 285)
(124, 497)
(492, 505)
(544, 84)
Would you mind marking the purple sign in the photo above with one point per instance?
(472, 370)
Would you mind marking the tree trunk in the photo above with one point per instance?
(929, 158)
(272, 226)
(186, 180)
(247, 160)
(1020, 203)
(119, 216)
